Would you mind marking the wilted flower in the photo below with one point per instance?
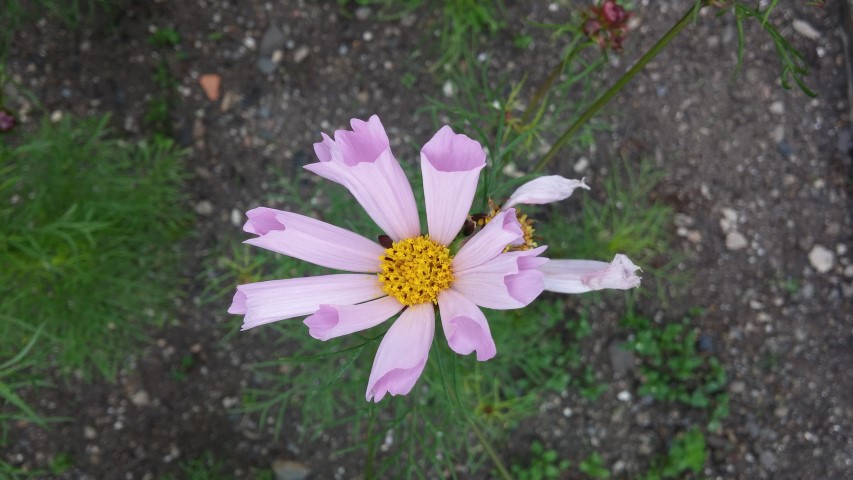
(607, 25)
(408, 271)
(569, 276)
(7, 121)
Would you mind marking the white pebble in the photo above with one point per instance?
(821, 258)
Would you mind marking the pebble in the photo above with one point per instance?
(301, 54)
(290, 470)
(768, 460)
(449, 89)
(821, 258)
(581, 165)
(236, 217)
(89, 433)
(141, 398)
(624, 396)
(777, 108)
(621, 359)
(210, 83)
(736, 241)
(805, 29)
(230, 402)
(737, 387)
(362, 13)
(204, 207)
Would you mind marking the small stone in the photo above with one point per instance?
(204, 207)
(56, 116)
(567, 412)
(683, 220)
(89, 433)
(228, 100)
(272, 40)
(805, 29)
(778, 133)
(210, 83)
(777, 108)
(230, 402)
(737, 387)
(821, 258)
(449, 89)
(265, 65)
(362, 13)
(301, 54)
(581, 165)
(621, 359)
(141, 398)
(694, 236)
(768, 460)
(736, 241)
(290, 470)
(236, 217)
(624, 396)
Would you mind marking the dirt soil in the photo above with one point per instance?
(760, 178)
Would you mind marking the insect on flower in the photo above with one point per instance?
(409, 271)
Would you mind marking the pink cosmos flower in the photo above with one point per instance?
(413, 275)
(413, 272)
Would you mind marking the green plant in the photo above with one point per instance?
(594, 467)
(158, 112)
(208, 467)
(671, 367)
(164, 37)
(13, 376)
(86, 248)
(544, 464)
(686, 454)
(61, 463)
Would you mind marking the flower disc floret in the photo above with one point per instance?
(415, 270)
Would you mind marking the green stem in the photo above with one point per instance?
(488, 446)
(546, 85)
(371, 445)
(619, 85)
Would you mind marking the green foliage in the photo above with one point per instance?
(61, 463)
(14, 375)
(672, 368)
(462, 24)
(792, 62)
(86, 244)
(158, 112)
(544, 464)
(164, 37)
(594, 467)
(686, 454)
(627, 221)
(205, 467)
(71, 13)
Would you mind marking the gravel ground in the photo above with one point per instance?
(759, 176)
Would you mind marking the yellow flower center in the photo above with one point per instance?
(416, 270)
(526, 228)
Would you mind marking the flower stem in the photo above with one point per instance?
(489, 449)
(620, 84)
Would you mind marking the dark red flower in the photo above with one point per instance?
(7, 121)
(607, 25)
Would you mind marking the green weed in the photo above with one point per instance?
(686, 454)
(672, 368)
(86, 249)
(544, 465)
(594, 467)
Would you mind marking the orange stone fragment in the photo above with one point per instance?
(210, 83)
